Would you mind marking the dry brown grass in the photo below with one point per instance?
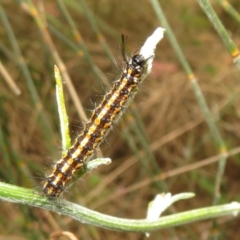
(176, 131)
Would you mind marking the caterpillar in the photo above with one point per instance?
(109, 110)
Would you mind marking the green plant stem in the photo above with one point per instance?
(82, 49)
(200, 98)
(42, 25)
(104, 26)
(62, 113)
(230, 9)
(212, 16)
(232, 48)
(96, 29)
(26, 196)
(44, 121)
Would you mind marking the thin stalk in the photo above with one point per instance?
(104, 26)
(42, 25)
(82, 49)
(96, 29)
(9, 80)
(7, 171)
(221, 30)
(230, 9)
(234, 51)
(63, 117)
(140, 131)
(46, 128)
(148, 159)
(199, 96)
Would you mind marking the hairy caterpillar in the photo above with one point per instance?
(103, 117)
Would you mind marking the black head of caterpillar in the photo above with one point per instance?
(137, 63)
(97, 127)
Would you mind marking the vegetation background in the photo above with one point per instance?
(162, 134)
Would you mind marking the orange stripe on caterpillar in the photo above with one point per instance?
(100, 122)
